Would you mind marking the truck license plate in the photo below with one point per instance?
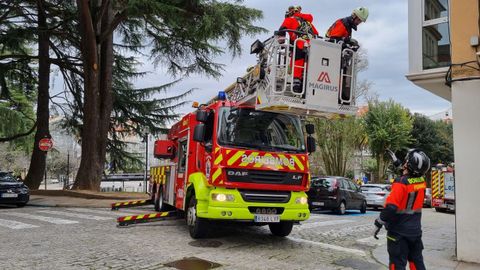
(267, 218)
(9, 195)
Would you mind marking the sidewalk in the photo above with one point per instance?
(438, 240)
(69, 198)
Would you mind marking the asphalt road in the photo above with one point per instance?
(88, 238)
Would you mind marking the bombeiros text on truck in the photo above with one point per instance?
(243, 156)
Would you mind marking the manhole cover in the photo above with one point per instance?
(193, 263)
(205, 243)
(357, 264)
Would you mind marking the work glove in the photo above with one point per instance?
(378, 226)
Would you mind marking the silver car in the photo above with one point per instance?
(376, 194)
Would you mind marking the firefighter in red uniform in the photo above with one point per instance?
(403, 212)
(341, 29)
(300, 22)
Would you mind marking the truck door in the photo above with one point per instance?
(181, 172)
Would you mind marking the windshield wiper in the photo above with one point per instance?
(287, 149)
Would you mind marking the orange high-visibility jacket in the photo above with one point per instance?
(403, 207)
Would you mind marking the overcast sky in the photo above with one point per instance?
(384, 36)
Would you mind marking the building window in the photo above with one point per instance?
(435, 34)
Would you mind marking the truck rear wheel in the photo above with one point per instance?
(281, 229)
(196, 226)
(158, 202)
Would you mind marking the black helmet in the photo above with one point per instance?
(417, 162)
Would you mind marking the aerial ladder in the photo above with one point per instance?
(329, 78)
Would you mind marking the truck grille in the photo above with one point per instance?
(265, 196)
(264, 177)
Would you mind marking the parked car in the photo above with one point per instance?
(427, 201)
(13, 191)
(335, 193)
(376, 194)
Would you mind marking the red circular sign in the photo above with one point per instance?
(45, 144)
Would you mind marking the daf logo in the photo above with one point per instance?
(237, 173)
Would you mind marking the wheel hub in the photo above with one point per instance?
(191, 216)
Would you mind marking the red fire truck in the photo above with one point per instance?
(245, 158)
(443, 188)
(230, 162)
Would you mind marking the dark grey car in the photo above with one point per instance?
(336, 193)
(13, 191)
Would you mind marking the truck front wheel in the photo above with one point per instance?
(281, 229)
(196, 226)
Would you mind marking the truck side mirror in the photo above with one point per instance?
(311, 144)
(202, 116)
(199, 133)
(310, 128)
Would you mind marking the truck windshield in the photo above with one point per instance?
(266, 131)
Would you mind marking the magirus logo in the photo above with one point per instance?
(324, 77)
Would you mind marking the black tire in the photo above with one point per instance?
(363, 208)
(281, 229)
(21, 204)
(198, 227)
(158, 201)
(342, 208)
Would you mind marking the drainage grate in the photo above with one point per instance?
(193, 263)
(205, 243)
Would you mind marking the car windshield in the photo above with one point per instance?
(323, 182)
(7, 177)
(266, 131)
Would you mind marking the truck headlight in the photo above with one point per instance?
(220, 197)
(301, 200)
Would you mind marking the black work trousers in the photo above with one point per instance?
(402, 249)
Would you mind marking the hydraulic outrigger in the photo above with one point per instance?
(145, 218)
(118, 205)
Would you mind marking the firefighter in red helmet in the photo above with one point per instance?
(302, 23)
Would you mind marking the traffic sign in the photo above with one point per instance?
(45, 144)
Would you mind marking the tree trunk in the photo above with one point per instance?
(88, 173)
(97, 51)
(105, 87)
(36, 170)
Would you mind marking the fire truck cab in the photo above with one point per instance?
(228, 161)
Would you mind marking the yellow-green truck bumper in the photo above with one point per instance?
(235, 208)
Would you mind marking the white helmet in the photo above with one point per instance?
(361, 13)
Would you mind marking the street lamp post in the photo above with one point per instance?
(146, 162)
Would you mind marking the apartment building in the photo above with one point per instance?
(444, 59)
